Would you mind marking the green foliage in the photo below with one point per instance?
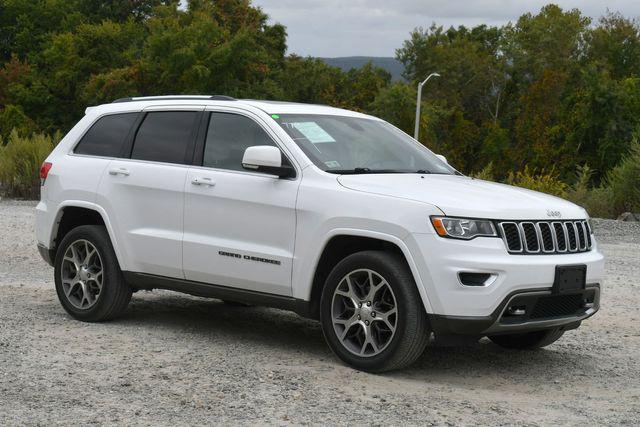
(543, 181)
(397, 105)
(597, 201)
(545, 93)
(12, 117)
(623, 182)
(20, 162)
(485, 173)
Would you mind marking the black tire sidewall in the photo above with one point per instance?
(391, 268)
(112, 276)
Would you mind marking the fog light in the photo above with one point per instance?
(475, 279)
(517, 310)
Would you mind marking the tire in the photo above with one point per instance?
(86, 294)
(528, 340)
(394, 349)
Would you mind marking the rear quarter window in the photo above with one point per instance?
(107, 136)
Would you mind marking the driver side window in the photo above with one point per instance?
(228, 136)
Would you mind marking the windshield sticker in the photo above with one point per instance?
(313, 132)
(332, 164)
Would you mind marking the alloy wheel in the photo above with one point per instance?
(364, 312)
(82, 274)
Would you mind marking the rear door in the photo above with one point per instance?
(239, 226)
(144, 194)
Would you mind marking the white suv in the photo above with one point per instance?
(333, 214)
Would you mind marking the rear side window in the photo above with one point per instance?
(164, 136)
(227, 138)
(107, 135)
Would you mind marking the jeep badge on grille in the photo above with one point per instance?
(554, 214)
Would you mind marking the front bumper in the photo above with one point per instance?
(439, 261)
(542, 310)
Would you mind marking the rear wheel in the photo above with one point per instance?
(528, 340)
(89, 283)
(371, 313)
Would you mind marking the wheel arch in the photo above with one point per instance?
(342, 243)
(71, 214)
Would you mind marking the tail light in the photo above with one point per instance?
(44, 171)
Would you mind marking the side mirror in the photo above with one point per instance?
(443, 158)
(266, 159)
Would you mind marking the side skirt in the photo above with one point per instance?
(150, 281)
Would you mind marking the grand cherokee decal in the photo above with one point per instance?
(249, 257)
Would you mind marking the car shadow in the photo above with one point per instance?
(211, 319)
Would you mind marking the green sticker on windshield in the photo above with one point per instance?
(275, 116)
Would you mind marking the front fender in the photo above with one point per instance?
(307, 274)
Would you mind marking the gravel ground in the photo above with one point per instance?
(178, 360)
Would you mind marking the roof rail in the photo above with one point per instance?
(176, 97)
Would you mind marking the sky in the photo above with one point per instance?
(332, 28)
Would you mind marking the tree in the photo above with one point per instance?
(615, 45)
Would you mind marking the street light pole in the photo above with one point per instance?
(418, 102)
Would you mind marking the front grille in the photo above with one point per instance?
(557, 305)
(543, 237)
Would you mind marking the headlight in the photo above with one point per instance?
(463, 228)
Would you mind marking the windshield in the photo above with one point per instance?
(340, 144)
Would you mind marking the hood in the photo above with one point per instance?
(462, 196)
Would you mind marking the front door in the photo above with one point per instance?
(239, 226)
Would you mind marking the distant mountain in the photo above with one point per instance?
(346, 63)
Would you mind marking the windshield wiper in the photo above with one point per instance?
(356, 171)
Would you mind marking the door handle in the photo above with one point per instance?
(119, 171)
(203, 181)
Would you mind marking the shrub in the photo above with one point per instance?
(485, 173)
(597, 201)
(20, 162)
(624, 182)
(12, 117)
(545, 181)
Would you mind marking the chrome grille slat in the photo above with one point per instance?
(545, 230)
(561, 236)
(508, 229)
(528, 237)
(587, 230)
(546, 237)
(571, 236)
(582, 235)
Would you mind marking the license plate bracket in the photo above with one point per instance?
(569, 278)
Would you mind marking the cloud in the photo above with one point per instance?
(377, 27)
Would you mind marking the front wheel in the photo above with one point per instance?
(89, 283)
(371, 313)
(528, 340)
